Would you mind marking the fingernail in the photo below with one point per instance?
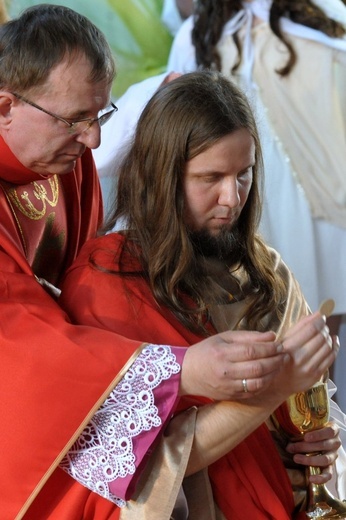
(336, 343)
(320, 325)
(287, 358)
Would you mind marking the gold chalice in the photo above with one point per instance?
(301, 413)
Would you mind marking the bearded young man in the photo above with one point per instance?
(185, 263)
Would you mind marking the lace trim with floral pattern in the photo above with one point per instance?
(104, 450)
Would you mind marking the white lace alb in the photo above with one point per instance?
(104, 451)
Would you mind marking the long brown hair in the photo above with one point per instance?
(184, 118)
(210, 16)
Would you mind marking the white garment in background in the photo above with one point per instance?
(119, 129)
(171, 16)
(117, 132)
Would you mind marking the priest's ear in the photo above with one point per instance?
(7, 102)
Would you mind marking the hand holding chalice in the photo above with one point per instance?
(301, 413)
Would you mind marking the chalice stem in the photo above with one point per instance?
(321, 503)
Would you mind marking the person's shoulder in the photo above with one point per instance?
(275, 256)
(88, 273)
(102, 250)
(279, 264)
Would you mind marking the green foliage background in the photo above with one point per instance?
(139, 40)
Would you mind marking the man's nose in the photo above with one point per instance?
(91, 137)
(229, 193)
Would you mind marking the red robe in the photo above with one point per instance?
(251, 481)
(54, 375)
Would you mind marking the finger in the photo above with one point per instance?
(247, 336)
(318, 460)
(312, 353)
(323, 476)
(335, 344)
(329, 431)
(327, 455)
(316, 320)
(306, 332)
(252, 352)
(248, 388)
(321, 440)
(305, 329)
(254, 369)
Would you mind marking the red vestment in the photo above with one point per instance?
(54, 375)
(251, 481)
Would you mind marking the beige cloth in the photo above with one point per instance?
(233, 316)
(160, 484)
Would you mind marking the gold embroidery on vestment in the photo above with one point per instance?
(40, 193)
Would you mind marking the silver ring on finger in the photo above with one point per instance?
(245, 388)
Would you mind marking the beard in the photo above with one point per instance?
(226, 246)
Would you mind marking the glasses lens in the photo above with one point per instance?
(106, 114)
(79, 127)
(83, 126)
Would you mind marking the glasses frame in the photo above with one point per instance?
(102, 119)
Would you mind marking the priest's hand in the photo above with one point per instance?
(232, 365)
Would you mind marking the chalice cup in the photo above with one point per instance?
(301, 413)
